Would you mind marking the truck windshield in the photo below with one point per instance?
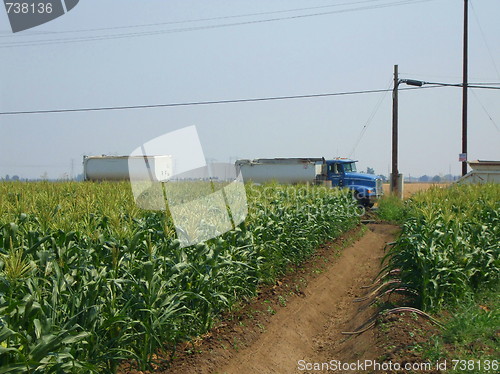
(350, 167)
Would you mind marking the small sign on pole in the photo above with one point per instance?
(462, 157)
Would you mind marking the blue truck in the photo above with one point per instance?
(337, 172)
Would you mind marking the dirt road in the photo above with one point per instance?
(288, 337)
(310, 328)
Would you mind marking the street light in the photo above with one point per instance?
(395, 176)
(412, 82)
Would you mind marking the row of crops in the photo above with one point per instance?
(88, 280)
(449, 246)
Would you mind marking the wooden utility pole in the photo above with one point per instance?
(464, 88)
(395, 171)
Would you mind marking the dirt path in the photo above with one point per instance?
(299, 321)
(310, 327)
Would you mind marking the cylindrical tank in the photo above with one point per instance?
(286, 171)
(117, 168)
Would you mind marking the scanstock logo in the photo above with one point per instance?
(27, 14)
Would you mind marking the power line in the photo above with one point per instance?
(212, 102)
(451, 84)
(486, 83)
(485, 87)
(189, 20)
(235, 101)
(485, 110)
(370, 119)
(205, 27)
(489, 86)
(193, 103)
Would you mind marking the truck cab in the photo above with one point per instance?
(342, 173)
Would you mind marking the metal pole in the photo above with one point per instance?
(395, 172)
(464, 88)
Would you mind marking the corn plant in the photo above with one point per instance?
(88, 280)
(449, 244)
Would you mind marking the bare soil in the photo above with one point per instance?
(301, 317)
(403, 337)
(411, 188)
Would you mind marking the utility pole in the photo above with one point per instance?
(395, 171)
(464, 88)
(396, 178)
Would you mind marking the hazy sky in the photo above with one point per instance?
(334, 46)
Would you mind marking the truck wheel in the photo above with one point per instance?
(366, 203)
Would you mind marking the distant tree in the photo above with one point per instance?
(15, 177)
(7, 177)
(370, 170)
(424, 178)
(436, 178)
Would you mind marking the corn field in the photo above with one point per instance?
(88, 280)
(449, 245)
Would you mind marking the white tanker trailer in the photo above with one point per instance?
(282, 170)
(339, 172)
(118, 168)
